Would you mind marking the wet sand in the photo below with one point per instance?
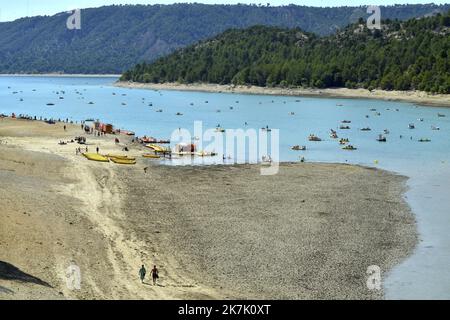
(422, 98)
(219, 232)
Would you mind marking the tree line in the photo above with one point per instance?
(403, 55)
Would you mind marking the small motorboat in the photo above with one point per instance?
(333, 134)
(346, 121)
(381, 138)
(435, 128)
(349, 147)
(219, 129)
(179, 114)
(386, 131)
(366, 129)
(344, 141)
(50, 104)
(344, 127)
(314, 138)
(440, 115)
(299, 148)
(424, 140)
(412, 126)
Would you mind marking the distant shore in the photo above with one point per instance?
(62, 75)
(419, 97)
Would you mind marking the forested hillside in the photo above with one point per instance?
(402, 56)
(115, 38)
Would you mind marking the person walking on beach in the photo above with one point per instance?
(98, 149)
(65, 128)
(155, 275)
(142, 273)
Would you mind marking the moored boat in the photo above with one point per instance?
(381, 138)
(314, 138)
(349, 147)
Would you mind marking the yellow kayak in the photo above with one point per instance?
(157, 148)
(111, 156)
(96, 157)
(123, 161)
(151, 156)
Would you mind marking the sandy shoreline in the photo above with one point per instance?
(418, 97)
(219, 232)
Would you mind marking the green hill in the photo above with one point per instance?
(115, 38)
(402, 56)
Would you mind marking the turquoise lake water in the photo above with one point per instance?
(426, 274)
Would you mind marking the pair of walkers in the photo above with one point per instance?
(154, 273)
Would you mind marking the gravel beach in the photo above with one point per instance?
(216, 232)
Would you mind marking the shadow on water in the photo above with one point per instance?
(11, 273)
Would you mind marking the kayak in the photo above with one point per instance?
(120, 157)
(96, 157)
(151, 156)
(123, 161)
(157, 148)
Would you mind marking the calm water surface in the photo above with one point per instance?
(426, 274)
